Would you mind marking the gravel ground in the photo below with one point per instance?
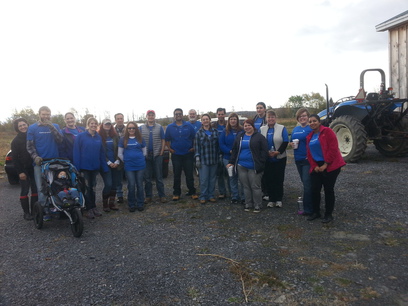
(185, 253)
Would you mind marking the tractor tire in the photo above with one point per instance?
(394, 147)
(351, 136)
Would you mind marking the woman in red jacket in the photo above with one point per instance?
(325, 161)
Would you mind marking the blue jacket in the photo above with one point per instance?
(66, 148)
(89, 153)
(227, 141)
(181, 137)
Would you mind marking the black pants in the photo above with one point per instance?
(274, 177)
(327, 180)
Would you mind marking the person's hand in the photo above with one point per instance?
(323, 167)
(198, 162)
(22, 176)
(172, 151)
(229, 165)
(191, 150)
(273, 153)
(38, 160)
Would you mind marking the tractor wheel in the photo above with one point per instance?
(392, 147)
(351, 136)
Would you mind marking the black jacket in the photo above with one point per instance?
(21, 158)
(259, 149)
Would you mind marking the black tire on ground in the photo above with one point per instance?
(351, 136)
(77, 226)
(38, 214)
(392, 147)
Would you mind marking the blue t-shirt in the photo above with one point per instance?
(110, 150)
(44, 141)
(245, 156)
(258, 123)
(196, 125)
(220, 128)
(271, 144)
(315, 148)
(75, 131)
(301, 133)
(181, 137)
(133, 157)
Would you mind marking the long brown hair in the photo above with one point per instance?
(112, 133)
(138, 135)
(228, 128)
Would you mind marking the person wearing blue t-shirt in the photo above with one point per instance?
(132, 151)
(248, 157)
(260, 117)
(110, 142)
(220, 125)
(43, 139)
(89, 159)
(153, 134)
(300, 133)
(278, 139)
(179, 138)
(192, 119)
(226, 140)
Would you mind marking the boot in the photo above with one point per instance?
(26, 207)
(105, 205)
(112, 196)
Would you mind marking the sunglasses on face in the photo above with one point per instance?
(178, 114)
(131, 128)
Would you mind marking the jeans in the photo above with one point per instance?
(274, 178)
(119, 188)
(327, 180)
(208, 176)
(69, 194)
(38, 180)
(110, 181)
(251, 182)
(90, 181)
(180, 163)
(303, 167)
(135, 181)
(236, 190)
(154, 166)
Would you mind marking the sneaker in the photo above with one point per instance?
(147, 200)
(120, 200)
(176, 198)
(212, 200)
(257, 210)
(194, 197)
(278, 204)
(234, 201)
(265, 198)
(327, 219)
(202, 202)
(90, 214)
(47, 218)
(163, 200)
(313, 217)
(96, 212)
(271, 204)
(247, 208)
(221, 197)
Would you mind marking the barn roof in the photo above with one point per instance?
(393, 22)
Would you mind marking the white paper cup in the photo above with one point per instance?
(295, 143)
(231, 171)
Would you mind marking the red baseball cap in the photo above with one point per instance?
(150, 111)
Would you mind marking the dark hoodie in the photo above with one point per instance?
(21, 158)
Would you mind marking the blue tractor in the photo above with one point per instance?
(369, 116)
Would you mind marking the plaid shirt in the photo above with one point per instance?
(207, 147)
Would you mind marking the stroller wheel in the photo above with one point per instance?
(77, 225)
(38, 214)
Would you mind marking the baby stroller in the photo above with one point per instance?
(54, 205)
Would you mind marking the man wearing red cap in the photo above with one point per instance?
(153, 134)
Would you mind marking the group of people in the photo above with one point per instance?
(253, 155)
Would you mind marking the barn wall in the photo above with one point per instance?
(398, 46)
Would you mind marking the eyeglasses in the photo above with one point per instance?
(178, 114)
(107, 123)
(303, 116)
(131, 128)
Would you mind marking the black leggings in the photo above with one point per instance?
(327, 180)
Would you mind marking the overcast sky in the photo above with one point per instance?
(131, 56)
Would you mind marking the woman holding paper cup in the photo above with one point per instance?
(206, 148)
(278, 139)
(249, 154)
(226, 140)
(298, 143)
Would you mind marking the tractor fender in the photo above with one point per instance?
(357, 112)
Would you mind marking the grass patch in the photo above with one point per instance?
(344, 282)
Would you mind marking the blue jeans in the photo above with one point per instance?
(208, 175)
(90, 181)
(135, 181)
(110, 180)
(236, 188)
(38, 179)
(154, 166)
(180, 163)
(119, 188)
(303, 167)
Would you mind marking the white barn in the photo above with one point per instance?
(397, 28)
